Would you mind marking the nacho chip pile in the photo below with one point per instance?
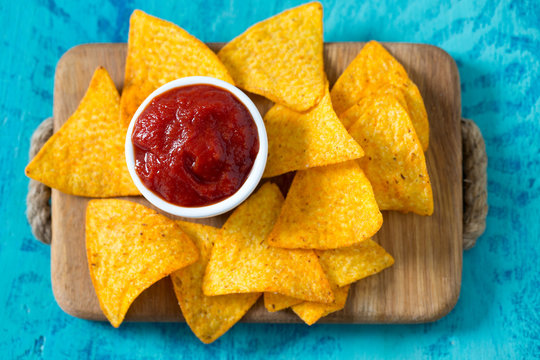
(384, 112)
(356, 150)
(394, 160)
(373, 67)
(343, 267)
(243, 262)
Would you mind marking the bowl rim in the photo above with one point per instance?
(228, 203)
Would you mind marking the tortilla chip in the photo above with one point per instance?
(311, 312)
(417, 111)
(86, 156)
(243, 262)
(374, 67)
(275, 302)
(379, 89)
(343, 267)
(281, 58)
(209, 317)
(129, 248)
(159, 52)
(394, 161)
(299, 141)
(347, 265)
(326, 208)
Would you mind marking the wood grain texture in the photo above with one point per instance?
(424, 283)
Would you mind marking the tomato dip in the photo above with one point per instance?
(194, 145)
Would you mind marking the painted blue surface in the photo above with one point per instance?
(497, 49)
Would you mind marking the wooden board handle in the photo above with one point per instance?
(475, 205)
(38, 208)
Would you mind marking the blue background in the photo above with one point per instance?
(497, 49)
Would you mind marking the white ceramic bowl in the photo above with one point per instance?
(228, 203)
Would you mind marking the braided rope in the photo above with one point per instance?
(38, 208)
(475, 205)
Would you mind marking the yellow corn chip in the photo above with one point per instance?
(311, 312)
(86, 156)
(209, 317)
(326, 208)
(346, 265)
(394, 161)
(417, 111)
(343, 267)
(275, 302)
(409, 97)
(159, 52)
(374, 90)
(299, 141)
(129, 248)
(281, 58)
(374, 67)
(243, 262)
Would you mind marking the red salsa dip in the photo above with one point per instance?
(194, 145)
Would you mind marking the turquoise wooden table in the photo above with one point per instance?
(497, 48)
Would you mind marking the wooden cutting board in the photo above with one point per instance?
(424, 283)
